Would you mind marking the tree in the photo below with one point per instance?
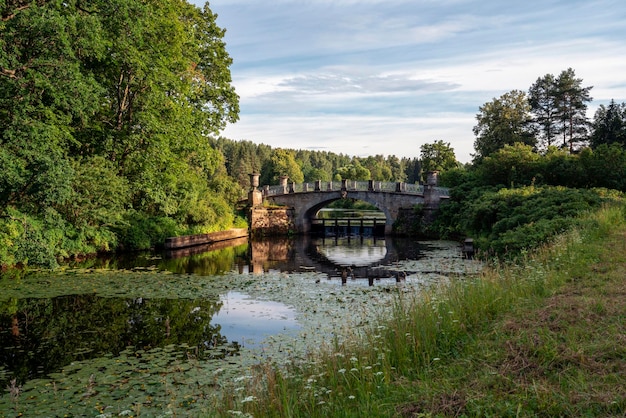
(378, 168)
(559, 107)
(605, 166)
(438, 156)
(397, 167)
(281, 163)
(543, 105)
(138, 83)
(353, 171)
(513, 165)
(45, 96)
(572, 108)
(503, 121)
(609, 125)
(412, 169)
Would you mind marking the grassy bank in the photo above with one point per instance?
(542, 337)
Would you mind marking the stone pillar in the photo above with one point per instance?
(431, 195)
(254, 180)
(255, 197)
(432, 178)
(283, 183)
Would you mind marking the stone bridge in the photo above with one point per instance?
(305, 200)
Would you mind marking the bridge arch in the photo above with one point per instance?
(310, 213)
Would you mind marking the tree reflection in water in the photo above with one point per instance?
(41, 336)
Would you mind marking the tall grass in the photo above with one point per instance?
(373, 373)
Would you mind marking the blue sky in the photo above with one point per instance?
(384, 77)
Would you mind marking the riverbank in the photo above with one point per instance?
(542, 337)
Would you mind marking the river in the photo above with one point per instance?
(109, 321)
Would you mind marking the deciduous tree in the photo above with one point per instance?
(438, 156)
(503, 121)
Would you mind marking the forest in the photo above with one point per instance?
(110, 121)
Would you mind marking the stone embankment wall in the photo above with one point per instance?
(266, 221)
(199, 239)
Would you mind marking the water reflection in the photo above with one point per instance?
(249, 320)
(367, 257)
(350, 252)
(363, 260)
(39, 336)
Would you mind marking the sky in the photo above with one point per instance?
(384, 77)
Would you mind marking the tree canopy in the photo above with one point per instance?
(503, 121)
(609, 125)
(438, 156)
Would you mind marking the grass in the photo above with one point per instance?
(545, 336)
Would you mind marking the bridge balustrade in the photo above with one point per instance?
(350, 185)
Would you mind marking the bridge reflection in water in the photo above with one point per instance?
(355, 259)
(340, 258)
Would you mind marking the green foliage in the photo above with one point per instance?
(377, 166)
(105, 110)
(503, 121)
(281, 163)
(43, 239)
(511, 165)
(143, 232)
(511, 220)
(99, 195)
(352, 204)
(605, 166)
(559, 108)
(609, 125)
(438, 156)
(353, 171)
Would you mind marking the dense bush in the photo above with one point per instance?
(506, 221)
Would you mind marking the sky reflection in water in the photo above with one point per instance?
(249, 321)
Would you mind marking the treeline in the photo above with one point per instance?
(245, 157)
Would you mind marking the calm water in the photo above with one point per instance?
(39, 336)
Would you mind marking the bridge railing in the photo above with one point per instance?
(350, 185)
